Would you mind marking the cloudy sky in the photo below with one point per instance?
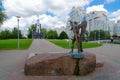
(52, 13)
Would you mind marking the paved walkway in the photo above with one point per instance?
(8, 61)
(44, 46)
(12, 62)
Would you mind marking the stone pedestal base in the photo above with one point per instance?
(58, 64)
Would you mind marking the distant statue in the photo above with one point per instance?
(78, 37)
(38, 27)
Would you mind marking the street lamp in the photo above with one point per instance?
(18, 17)
(99, 35)
(95, 35)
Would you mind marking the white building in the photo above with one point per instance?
(117, 28)
(97, 20)
(111, 27)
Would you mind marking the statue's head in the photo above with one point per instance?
(70, 22)
(75, 22)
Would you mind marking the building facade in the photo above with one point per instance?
(96, 20)
(117, 29)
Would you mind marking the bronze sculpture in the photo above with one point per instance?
(78, 37)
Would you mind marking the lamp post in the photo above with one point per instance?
(95, 35)
(99, 35)
(18, 17)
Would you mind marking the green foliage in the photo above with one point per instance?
(6, 34)
(13, 44)
(52, 34)
(96, 34)
(30, 30)
(45, 32)
(115, 36)
(63, 35)
(2, 17)
(107, 34)
(67, 44)
(15, 33)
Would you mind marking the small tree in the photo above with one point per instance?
(6, 34)
(107, 35)
(99, 34)
(114, 35)
(52, 34)
(15, 33)
(45, 32)
(30, 30)
(63, 35)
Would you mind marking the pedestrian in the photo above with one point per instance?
(111, 39)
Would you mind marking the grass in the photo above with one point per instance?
(66, 44)
(10, 44)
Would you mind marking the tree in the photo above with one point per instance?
(2, 17)
(63, 35)
(92, 35)
(107, 35)
(31, 30)
(15, 33)
(52, 34)
(114, 36)
(45, 32)
(99, 34)
(6, 34)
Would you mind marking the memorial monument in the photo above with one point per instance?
(38, 33)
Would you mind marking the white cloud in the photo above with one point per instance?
(23, 7)
(109, 1)
(45, 20)
(51, 22)
(96, 8)
(30, 9)
(115, 15)
(33, 7)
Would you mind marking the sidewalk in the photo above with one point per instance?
(44, 46)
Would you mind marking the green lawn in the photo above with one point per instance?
(67, 44)
(13, 44)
